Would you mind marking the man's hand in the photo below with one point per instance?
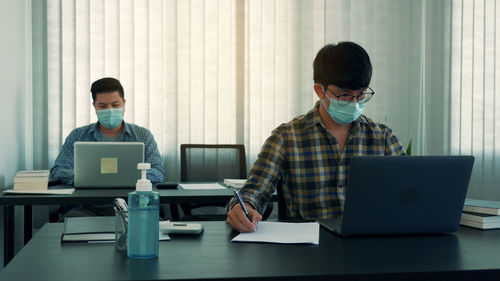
(237, 219)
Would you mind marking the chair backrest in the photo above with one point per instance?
(212, 162)
(282, 210)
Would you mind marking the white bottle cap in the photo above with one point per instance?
(143, 184)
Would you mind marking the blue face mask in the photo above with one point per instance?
(344, 114)
(110, 118)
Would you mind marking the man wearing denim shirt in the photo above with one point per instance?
(311, 154)
(109, 103)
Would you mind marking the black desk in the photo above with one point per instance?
(91, 196)
(467, 255)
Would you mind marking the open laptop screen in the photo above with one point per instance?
(107, 164)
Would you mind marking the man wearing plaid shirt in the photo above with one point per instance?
(311, 154)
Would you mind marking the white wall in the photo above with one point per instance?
(12, 95)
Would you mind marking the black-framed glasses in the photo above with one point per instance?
(345, 99)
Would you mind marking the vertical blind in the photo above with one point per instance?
(229, 71)
(214, 71)
(475, 102)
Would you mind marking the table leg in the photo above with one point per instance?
(8, 239)
(28, 223)
(174, 211)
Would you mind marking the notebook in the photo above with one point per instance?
(107, 164)
(93, 229)
(403, 195)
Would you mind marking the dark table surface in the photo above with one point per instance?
(469, 254)
(93, 196)
(106, 196)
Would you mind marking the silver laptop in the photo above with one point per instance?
(403, 195)
(107, 164)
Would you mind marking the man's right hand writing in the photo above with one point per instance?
(237, 219)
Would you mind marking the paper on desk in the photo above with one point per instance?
(164, 237)
(282, 232)
(202, 186)
(235, 183)
(45, 191)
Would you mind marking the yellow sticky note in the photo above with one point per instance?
(109, 165)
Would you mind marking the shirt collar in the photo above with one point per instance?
(312, 117)
(97, 133)
(126, 129)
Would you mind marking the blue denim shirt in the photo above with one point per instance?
(63, 167)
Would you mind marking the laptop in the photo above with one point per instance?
(107, 164)
(403, 195)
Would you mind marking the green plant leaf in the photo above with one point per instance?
(408, 147)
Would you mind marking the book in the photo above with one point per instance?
(24, 180)
(93, 229)
(481, 221)
(235, 183)
(33, 173)
(482, 218)
(30, 186)
(78, 229)
(482, 206)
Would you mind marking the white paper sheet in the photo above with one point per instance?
(282, 232)
(44, 191)
(202, 186)
(235, 183)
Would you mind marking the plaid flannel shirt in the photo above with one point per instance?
(313, 169)
(63, 166)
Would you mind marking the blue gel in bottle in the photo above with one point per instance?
(143, 219)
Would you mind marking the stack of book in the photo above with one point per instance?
(482, 214)
(31, 180)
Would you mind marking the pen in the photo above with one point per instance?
(242, 205)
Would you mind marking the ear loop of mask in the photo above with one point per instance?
(325, 87)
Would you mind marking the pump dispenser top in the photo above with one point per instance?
(143, 184)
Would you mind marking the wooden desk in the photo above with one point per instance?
(466, 255)
(91, 196)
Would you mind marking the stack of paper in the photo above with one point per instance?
(32, 180)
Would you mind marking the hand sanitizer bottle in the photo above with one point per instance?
(143, 218)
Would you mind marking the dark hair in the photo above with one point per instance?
(106, 85)
(345, 65)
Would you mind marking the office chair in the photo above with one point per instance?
(282, 210)
(210, 163)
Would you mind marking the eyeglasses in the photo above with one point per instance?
(345, 99)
